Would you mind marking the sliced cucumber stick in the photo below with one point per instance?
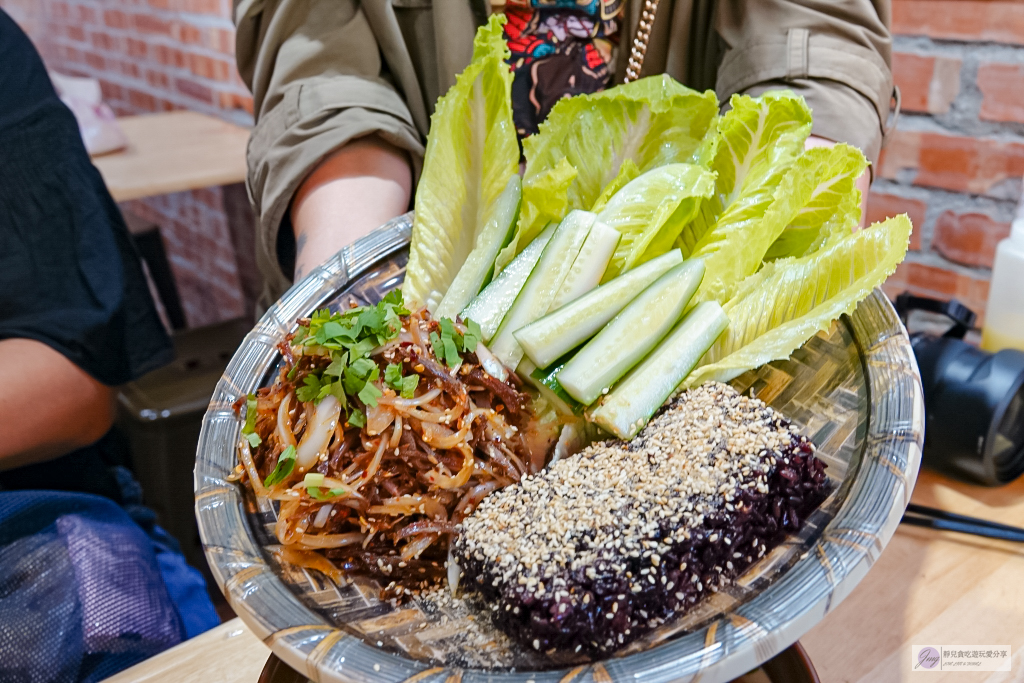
(479, 265)
(631, 334)
(629, 406)
(491, 305)
(548, 339)
(589, 266)
(544, 282)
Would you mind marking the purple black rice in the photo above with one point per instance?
(572, 569)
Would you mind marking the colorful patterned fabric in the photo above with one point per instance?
(559, 48)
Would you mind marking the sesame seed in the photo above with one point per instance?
(620, 511)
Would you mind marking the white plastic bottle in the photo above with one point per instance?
(1004, 315)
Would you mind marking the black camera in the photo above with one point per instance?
(974, 400)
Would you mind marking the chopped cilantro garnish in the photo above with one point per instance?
(319, 493)
(310, 389)
(250, 414)
(359, 375)
(249, 428)
(363, 347)
(393, 376)
(394, 297)
(473, 336)
(365, 327)
(451, 342)
(333, 330)
(406, 386)
(369, 394)
(285, 465)
(338, 390)
(363, 368)
(356, 418)
(339, 361)
(437, 345)
(409, 386)
(349, 337)
(372, 318)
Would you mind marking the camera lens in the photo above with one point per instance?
(1007, 444)
(974, 405)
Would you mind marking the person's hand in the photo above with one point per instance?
(356, 189)
(863, 182)
(49, 406)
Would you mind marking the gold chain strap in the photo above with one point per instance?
(643, 35)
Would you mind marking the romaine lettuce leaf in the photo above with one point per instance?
(627, 172)
(732, 250)
(652, 122)
(757, 141)
(834, 207)
(471, 153)
(642, 209)
(790, 300)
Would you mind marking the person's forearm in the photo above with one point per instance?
(863, 182)
(48, 405)
(356, 189)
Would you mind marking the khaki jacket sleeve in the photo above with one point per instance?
(318, 81)
(836, 53)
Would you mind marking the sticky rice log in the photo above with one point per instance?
(604, 546)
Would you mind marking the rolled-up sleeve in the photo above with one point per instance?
(837, 54)
(318, 81)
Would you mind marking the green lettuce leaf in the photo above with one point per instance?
(650, 210)
(807, 191)
(627, 172)
(790, 300)
(471, 153)
(652, 122)
(834, 206)
(758, 140)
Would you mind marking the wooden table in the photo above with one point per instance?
(173, 152)
(931, 587)
(928, 588)
(178, 151)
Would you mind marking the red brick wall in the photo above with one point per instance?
(955, 162)
(159, 55)
(150, 55)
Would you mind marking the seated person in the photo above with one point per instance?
(88, 583)
(343, 89)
